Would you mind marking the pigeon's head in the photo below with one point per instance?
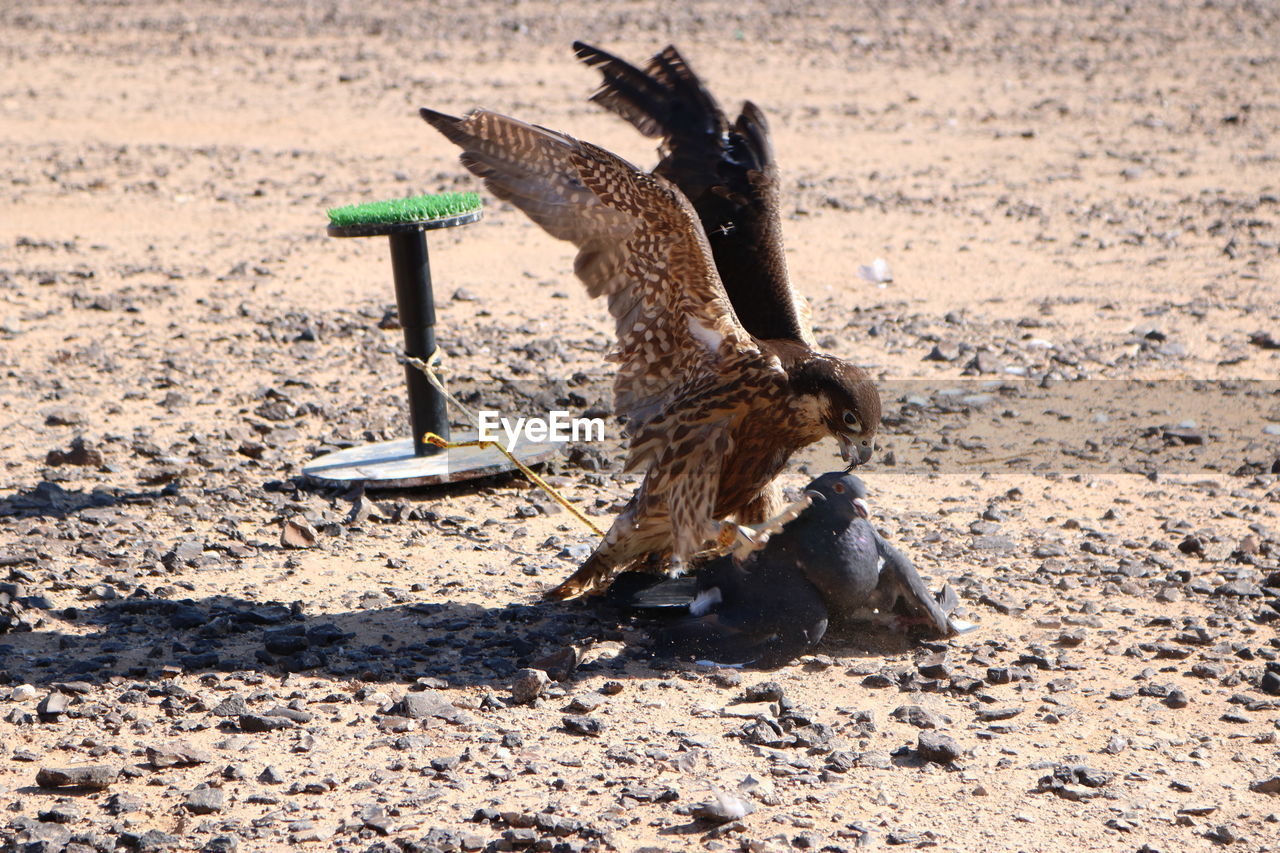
(839, 495)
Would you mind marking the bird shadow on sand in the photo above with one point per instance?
(457, 644)
(460, 644)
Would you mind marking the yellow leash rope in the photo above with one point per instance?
(428, 369)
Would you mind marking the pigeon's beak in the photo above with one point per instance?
(852, 452)
(860, 508)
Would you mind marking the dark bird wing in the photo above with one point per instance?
(763, 613)
(727, 171)
(902, 590)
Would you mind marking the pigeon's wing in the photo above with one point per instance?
(949, 601)
(665, 594)
(764, 617)
(727, 171)
(902, 589)
(640, 245)
(841, 559)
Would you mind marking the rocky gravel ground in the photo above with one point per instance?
(1078, 347)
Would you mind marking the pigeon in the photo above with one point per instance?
(828, 565)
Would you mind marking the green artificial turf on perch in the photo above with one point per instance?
(416, 209)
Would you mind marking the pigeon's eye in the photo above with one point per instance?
(851, 421)
(838, 488)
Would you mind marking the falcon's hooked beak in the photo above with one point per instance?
(852, 452)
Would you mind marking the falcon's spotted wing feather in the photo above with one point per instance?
(639, 244)
(727, 172)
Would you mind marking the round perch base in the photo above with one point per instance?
(393, 465)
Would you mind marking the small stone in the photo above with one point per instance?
(935, 666)
(94, 777)
(581, 725)
(937, 747)
(204, 801)
(297, 533)
(80, 454)
(375, 817)
(270, 776)
(528, 685)
(1270, 785)
(40, 838)
(1270, 683)
(425, 704)
(52, 707)
(233, 706)
(61, 813)
(22, 693)
(765, 691)
(722, 808)
(916, 715)
(998, 712)
(123, 803)
(176, 754)
(259, 723)
(1224, 834)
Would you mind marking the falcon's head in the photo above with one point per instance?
(845, 401)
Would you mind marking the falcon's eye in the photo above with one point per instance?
(851, 421)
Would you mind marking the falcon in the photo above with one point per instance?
(714, 407)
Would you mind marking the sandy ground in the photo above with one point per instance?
(1079, 205)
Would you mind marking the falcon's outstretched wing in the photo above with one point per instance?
(727, 172)
(639, 243)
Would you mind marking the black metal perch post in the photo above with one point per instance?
(413, 461)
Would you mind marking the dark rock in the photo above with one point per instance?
(1270, 785)
(233, 706)
(765, 691)
(375, 817)
(204, 801)
(935, 666)
(270, 776)
(937, 747)
(1223, 834)
(94, 777)
(998, 712)
(528, 685)
(78, 454)
(300, 717)
(1270, 683)
(151, 841)
(426, 704)
(916, 715)
(581, 725)
(1074, 781)
(52, 707)
(259, 723)
(61, 813)
(36, 837)
(123, 803)
(176, 754)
